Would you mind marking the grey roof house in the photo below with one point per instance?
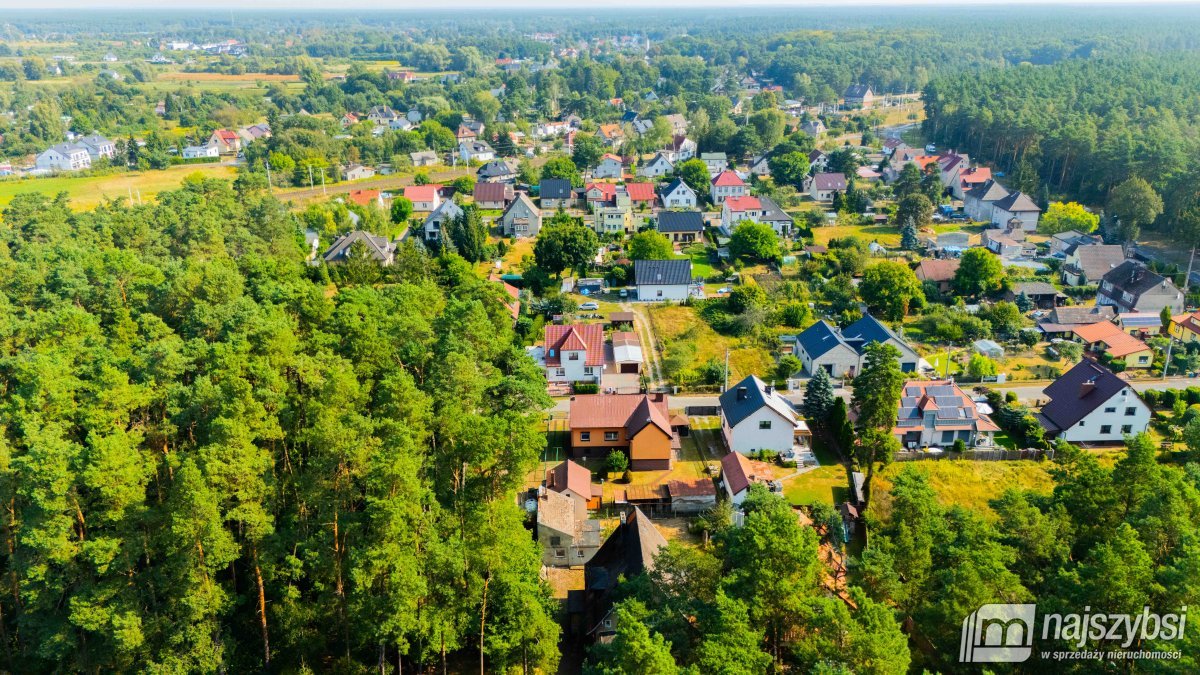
(661, 280)
(521, 218)
(1089, 404)
(1132, 287)
(840, 352)
(681, 226)
(378, 248)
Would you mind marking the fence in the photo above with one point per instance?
(996, 455)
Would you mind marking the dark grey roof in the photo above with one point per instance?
(1081, 315)
(753, 395)
(495, 169)
(674, 185)
(857, 91)
(378, 248)
(988, 191)
(868, 330)
(662, 272)
(1078, 392)
(627, 552)
(1032, 288)
(555, 188)
(1095, 260)
(1017, 202)
(680, 221)
(1134, 278)
(772, 213)
(819, 338)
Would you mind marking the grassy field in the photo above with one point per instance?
(89, 191)
(680, 323)
(966, 483)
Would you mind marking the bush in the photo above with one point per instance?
(587, 388)
(1151, 397)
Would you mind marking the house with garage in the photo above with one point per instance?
(678, 195)
(493, 195)
(521, 218)
(574, 352)
(662, 280)
(754, 416)
(358, 242)
(1016, 207)
(610, 166)
(657, 167)
(636, 424)
(936, 413)
(556, 193)
(681, 227)
(436, 221)
(977, 202)
(1090, 404)
(823, 186)
(1132, 287)
(728, 184)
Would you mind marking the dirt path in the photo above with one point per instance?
(379, 183)
(649, 346)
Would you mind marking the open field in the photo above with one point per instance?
(680, 323)
(89, 191)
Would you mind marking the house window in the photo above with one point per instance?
(573, 356)
(1106, 428)
(578, 554)
(660, 293)
(1143, 359)
(947, 437)
(560, 372)
(610, 435)
(765, 424)
(559, 553)
(1130, 411)
(1126, 428)
(587, 370)
(585, 436)
(556, 541)
(1110, 410)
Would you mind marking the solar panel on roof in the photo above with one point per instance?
(948, 400)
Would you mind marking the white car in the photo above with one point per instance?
(589, 306)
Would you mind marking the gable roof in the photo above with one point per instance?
(632, 412)
(522, 199)
(627, 552)
(739, 204)
(952, 409)
(378, 247)
(555, 188)
(421, 193)
(680, 221)
(819, 338)
(771, 212)
(677, 184)
(754, 395)
(364, 197)
(608, 191)
(941, 269)
(640, 192)
(492, 192)
(662, 272)
(1017, 202)
(1135, 278)
(647, 414)
(1078, 392)
(588, 337)
(1069, 316)
(570, 476)
(728, 178)
(857, 91)
(988, 191)
(829, 181)
(1095, 260)
(445, 211)
(1032, 288)
(869, 330)
(494, 169)
(735, 471)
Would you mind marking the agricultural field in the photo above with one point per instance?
(89, 191)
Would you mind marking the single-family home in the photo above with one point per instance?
(818, 161)
(859, 96)
(567, 536)
(1062, 321)
(610, 166)
(936, 413)
(823, 186)
(657, 167)
(736, 209)
(227, 142)
(738, 473)
(358, 172)
(938, 271)
(978, 201)
(1106, 337)
(678, 195)
(681, 149)
(521, 218)
(1141, 325)
(679, 123)
(1016, 207)
(1063, 242)
(382, 115)
(362, 243)
(574, 352)
(662, 280)
(556, 193)
(97, 146)
(575, 481)
(969, 179)
(1007, 242)
(627, 553)
(64, 157)
(1042, 294)
(435, 222)
(779, 220)
(840, 352)
(348, 120)
(1185, 327)
(424, 198)
(366, 198)
(813, 127)
(681, 227)
(600, 194)
(201, 152)
(1089, 404)
(1088, 263)
(424, 158)
(759, 166)
(613, 220)
(475, 151)
(754, 416)
(639, 194)
(728, 184)
(496, 171)
(1132, 287)
(715, 161)
(492, 195)
(637, 424)
(869, 330)
(611, 135)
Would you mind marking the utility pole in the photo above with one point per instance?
(726, 387)
(267, 165)
(310, 177)
(947, 369)
(323, 193)
(1187, 282)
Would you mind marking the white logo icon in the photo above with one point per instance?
(998, 634)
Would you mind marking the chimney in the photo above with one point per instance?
(1087, 387)
(769, 388)
(741, 393)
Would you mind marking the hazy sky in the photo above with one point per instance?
(362, 5)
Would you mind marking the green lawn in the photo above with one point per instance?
(89, 191)
(701, 267)
(823, 485)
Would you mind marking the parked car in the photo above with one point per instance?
(589, 306)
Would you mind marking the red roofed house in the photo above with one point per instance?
(737, 209)
(939, 271)
(936, 413)
(574, 352)
(575, 481)
(739, 472)
(514, 296)
(424, 197)
(367, 197)
(969, 178)
(635, 423)
(727, 184)
(640, 193)
(600, 193)
(1107, 337)
(227, 142)
(610, 166)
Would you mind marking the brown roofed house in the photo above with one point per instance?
(638, 424)
(938, 271)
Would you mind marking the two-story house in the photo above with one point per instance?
(678, 195)
(754, 416)
(521, 218)
(936, 413)
(823, 186)
(435, 223)
(1132, 287)
(610, 166)
(637, 424)
(574, 352)
(657, 167)
(727, 184)
(1089, 404)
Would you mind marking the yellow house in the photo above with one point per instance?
(1106, 337)
(1186, 327)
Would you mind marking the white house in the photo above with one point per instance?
(1016, 206)
(657, 167)
(727, 184)
(736, 209)
(435, 223)
(476, 150)
(574, 352)
(678, 195)
(64, 157)
(424, 198)
(201, 152)
(715, 161)
(1089, 404)
(822, 186)
(610, 166)
(737, 475)
(358, 172)
(97, 146)
(662, 280)
(755, 417)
